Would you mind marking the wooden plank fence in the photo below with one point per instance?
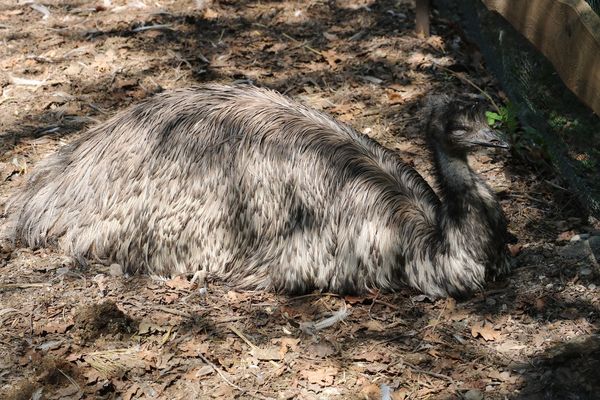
(567, 32)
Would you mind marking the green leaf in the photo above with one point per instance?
(492, 117)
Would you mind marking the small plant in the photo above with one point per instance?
(505, 119)
(526, 142)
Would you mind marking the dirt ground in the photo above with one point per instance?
(70, 332)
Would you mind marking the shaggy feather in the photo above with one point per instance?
(264, 193)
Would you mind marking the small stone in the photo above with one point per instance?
(591, 286)
(594, 243)
(585, 271)
(490, 302)
(581, 236)
(473, 394)
(574, 250)
(115, 270)
(549, 286)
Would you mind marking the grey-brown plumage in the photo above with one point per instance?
(263, 192)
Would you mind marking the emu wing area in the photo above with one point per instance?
(258, 190)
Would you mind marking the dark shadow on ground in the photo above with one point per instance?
(203, 46)
(567, 371)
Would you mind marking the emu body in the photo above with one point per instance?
(263, 193)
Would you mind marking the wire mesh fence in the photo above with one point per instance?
(553, 118)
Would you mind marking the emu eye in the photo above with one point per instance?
(459, 130)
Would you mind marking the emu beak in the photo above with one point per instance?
(487, 137)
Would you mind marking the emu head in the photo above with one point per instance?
(460, 127)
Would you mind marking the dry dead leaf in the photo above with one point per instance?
(148, 327)
(371, 391)
(511, 345)
(371, 356)
(486, 330)
(226, 362)
(394, 98)
(450, 304)
(514, 249)
(540, 304)
(209, 14)
(131, 392)
(321, 349)
(69, 392)
(277, 47)
(271, 353)
(223, 391)
(196, 374)
(52, 327)
(121, 83)
(170, 298)
(333, 58)
(343, 108)
(92, 375)
(74, 357)
(193, 347)
(373, 326)
(503, 376)
(458, 315)
(287, 342)
(346, 109)
(322, 376)
(102, 281)
(437, 42)
(236, 297)
(317, 101)
(179, 282)
(416, 358)
(433, 336)
(73, 70)
(401, 394)
(417, 59)
(330, 36)
(565, 236)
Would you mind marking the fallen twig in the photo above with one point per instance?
(23, 285)
(41, 9)
(470, 82)
(227, 381)
(417, 370)
(285, 35)
(307, 47)
(554, 185)
(157, 27)
(312, 327)
(385, 303)
(242, 336)
(173, 311)
(15, 80)
(592, 256)
(437, 320)
(70, 379)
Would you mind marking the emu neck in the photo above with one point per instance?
(469, 212)
(458, 184)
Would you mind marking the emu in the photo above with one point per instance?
(265, 193)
